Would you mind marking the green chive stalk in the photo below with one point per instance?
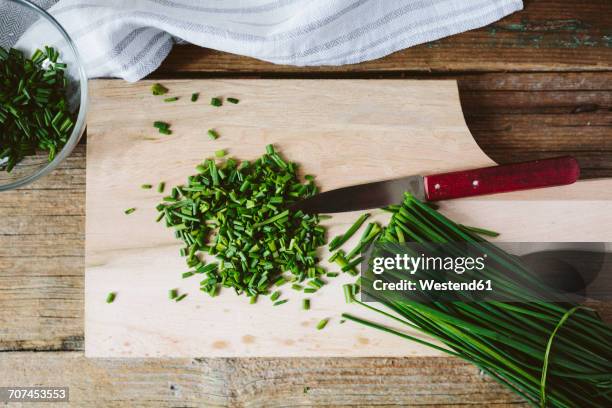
(338, 241)
(322, 323)
(551, 354)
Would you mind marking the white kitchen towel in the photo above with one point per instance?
(130, 38)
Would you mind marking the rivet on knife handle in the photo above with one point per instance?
(502, 179)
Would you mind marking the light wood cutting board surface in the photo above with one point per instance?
(344, 132)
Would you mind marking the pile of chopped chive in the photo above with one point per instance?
(34, 109)
(239, 212)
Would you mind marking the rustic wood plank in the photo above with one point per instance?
(548, 35)
(35, 270)
(516, 117)
(128, 383)
(337, 382)
(41, 299)
(41, 261)
(533, 82)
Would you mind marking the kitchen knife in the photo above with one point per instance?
(467, 183)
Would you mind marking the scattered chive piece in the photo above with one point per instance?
(233, 100)
(110, 298)
(161, 125)
(370, 234)
(352, 264)
(296, 286)
(187, 274)
(172, 99)
(129, 210)
(275, 295)
(367, 231)
(338, 241)
(253, 299)
(322, 324)
(480, 231)
(280, 281)
(216, 102)
(316, 283)
(220, 153)
(306, 304)
(212, 134)
(280, 302)
(309, 290)
(348, 292)
(159, 89)
(183, 296)
(173, 294)
(195, 96)
(340, 259)
(146, 186)
(161, 187)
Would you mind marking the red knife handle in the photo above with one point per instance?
(502, 179)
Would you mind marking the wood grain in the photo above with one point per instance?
(45, 205)
(515, 117)
(529, 116)
(29, 283)
(548, 35)
(384, 129)
(439, 382)
(41, 261)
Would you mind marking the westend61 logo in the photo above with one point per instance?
(479, 271)
(412, 264)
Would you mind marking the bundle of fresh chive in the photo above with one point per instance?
(239, 212)
(34, 111)
(552, 354)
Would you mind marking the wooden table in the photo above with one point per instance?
(536, 84)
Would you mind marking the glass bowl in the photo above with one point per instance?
(28, 27)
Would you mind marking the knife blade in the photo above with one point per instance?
(445, 186)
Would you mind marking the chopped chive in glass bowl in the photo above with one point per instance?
(43, 94)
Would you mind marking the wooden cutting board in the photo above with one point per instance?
(345, 132)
